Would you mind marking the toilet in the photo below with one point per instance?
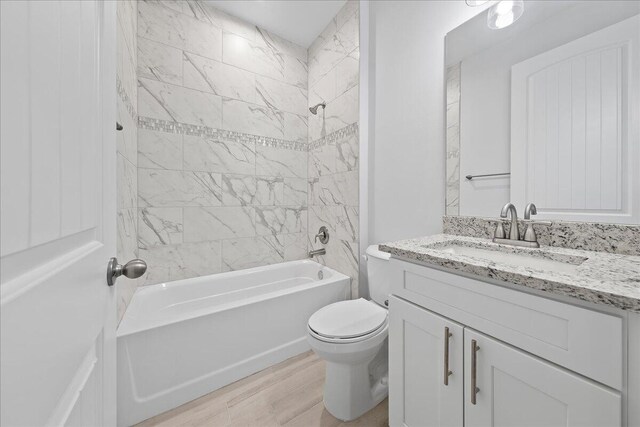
(351, 336)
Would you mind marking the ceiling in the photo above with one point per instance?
(474, 35)
(299, 21)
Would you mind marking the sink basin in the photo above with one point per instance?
(532, 258)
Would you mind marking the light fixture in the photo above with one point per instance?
(474, 3)
(504, 13)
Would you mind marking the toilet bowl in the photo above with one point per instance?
(351, 336)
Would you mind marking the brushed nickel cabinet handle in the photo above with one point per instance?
(474, 359)
(447, 372)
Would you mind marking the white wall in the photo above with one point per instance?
(407, 107)
(485, 131)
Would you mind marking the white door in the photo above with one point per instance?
(517, 389)
(58, 212)
(420, 352)
(575, 128)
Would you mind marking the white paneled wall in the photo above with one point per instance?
(573, 122)
(575, 119)
(57, 176)
(45, 120)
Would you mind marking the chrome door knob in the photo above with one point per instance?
(132, 270)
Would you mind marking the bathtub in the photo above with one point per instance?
(183, 339)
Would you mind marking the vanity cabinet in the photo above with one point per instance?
(537, 362)
(432, 379)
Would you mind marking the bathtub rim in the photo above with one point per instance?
(123, 330)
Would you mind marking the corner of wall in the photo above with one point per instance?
(127, 152)
(334, 142)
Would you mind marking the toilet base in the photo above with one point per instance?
(353, 389)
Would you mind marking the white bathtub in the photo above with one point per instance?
(181, 340)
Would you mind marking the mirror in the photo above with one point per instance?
(546, 110)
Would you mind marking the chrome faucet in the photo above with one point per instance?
(514, 233)
(530, 240)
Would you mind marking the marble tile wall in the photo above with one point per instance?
(333, 142)
(453, 140)
(222, 143)
(200, 66)
(127, 152)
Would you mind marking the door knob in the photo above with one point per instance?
(132, 270)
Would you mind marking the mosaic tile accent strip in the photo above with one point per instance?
(208, 132)
(347, 131)
(620, 239)
(125, 99)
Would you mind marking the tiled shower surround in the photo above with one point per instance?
(226, 177)
(126, 139)
(453, 140)
(333, 142)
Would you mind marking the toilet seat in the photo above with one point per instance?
(348, 321)
(382, 330)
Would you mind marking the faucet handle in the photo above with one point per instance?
(530, 233)
(499, 233)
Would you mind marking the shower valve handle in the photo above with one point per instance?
(323, 234)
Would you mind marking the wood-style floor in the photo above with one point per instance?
(288, 394)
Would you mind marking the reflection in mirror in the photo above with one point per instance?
(547, 111)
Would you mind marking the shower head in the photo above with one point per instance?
(314, 109)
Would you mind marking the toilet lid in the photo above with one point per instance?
(348, 319)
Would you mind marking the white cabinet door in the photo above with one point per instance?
(418, 395)
(517, 389)
(58, 212)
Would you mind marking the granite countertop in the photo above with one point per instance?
(601, 278)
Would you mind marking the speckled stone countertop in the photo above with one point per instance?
(598, 277)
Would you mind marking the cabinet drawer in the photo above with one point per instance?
(582, 340)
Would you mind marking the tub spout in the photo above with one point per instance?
(317, 252)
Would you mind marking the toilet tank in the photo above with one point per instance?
(379, 274)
